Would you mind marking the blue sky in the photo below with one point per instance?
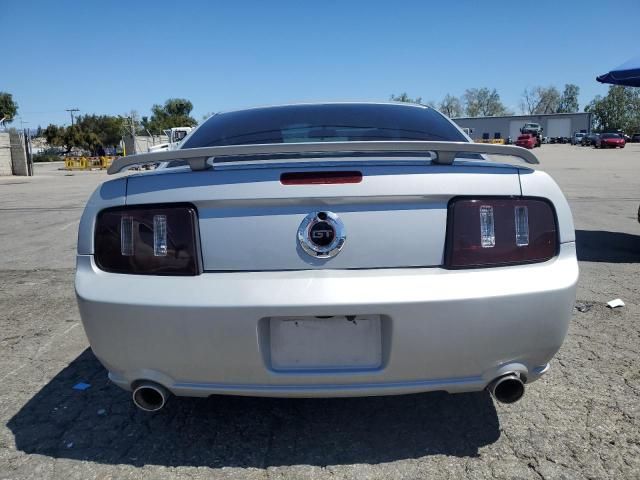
(113, 57)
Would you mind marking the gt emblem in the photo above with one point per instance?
(321, 234)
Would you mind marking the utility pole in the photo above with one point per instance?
(133, 133)
(132, 126)
(71, 110)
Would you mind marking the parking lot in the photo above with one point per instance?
(582, 420)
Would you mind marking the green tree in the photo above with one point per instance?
(73, 137)
(90, 132)
(403, 97)
(66, 137)
(618, 110)
(451, 106)
(569, 99)
(8, 108)
(482, 102)
(101, 130)
(54, 135)
(174, 113)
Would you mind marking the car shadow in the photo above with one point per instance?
(611, 247)
(100, 424)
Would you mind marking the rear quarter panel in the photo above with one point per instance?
(110, 194)
(535, 183)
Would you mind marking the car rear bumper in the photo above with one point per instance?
(442, 330)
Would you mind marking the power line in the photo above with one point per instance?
(46, 111)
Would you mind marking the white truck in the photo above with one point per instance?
(175, 135)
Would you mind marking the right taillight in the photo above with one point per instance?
(487, 232)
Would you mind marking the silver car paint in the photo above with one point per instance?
(247, 217)
(205, 158)
(110, 194)
(443, 330)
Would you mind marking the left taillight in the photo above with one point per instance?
(148, 240)
(488, 232)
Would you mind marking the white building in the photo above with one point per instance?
(554, 124)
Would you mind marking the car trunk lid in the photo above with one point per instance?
(394, 216)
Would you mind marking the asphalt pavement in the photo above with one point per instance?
(581, 420)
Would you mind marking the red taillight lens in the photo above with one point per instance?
(487, 232)
(320, 178)
(149, 240)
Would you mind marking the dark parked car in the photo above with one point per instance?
(635, 138)
(610, 140)
(590, 139)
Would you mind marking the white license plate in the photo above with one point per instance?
(310, 343)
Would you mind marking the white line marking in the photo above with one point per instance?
(68, 225)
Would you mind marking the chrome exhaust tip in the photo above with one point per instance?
(507, 389)
(149, 396)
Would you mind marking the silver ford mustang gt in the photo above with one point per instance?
(325, 250)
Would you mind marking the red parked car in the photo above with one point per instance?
(526, 140)
(613, 140)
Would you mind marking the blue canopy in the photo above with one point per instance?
(626, 74)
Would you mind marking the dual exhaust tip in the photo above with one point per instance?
(151, 397)
(507, 389)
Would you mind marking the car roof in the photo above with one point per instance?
(347, 103)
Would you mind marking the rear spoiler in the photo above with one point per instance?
(204, 158)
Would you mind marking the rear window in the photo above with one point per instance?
(610, 135)
(324, 123)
